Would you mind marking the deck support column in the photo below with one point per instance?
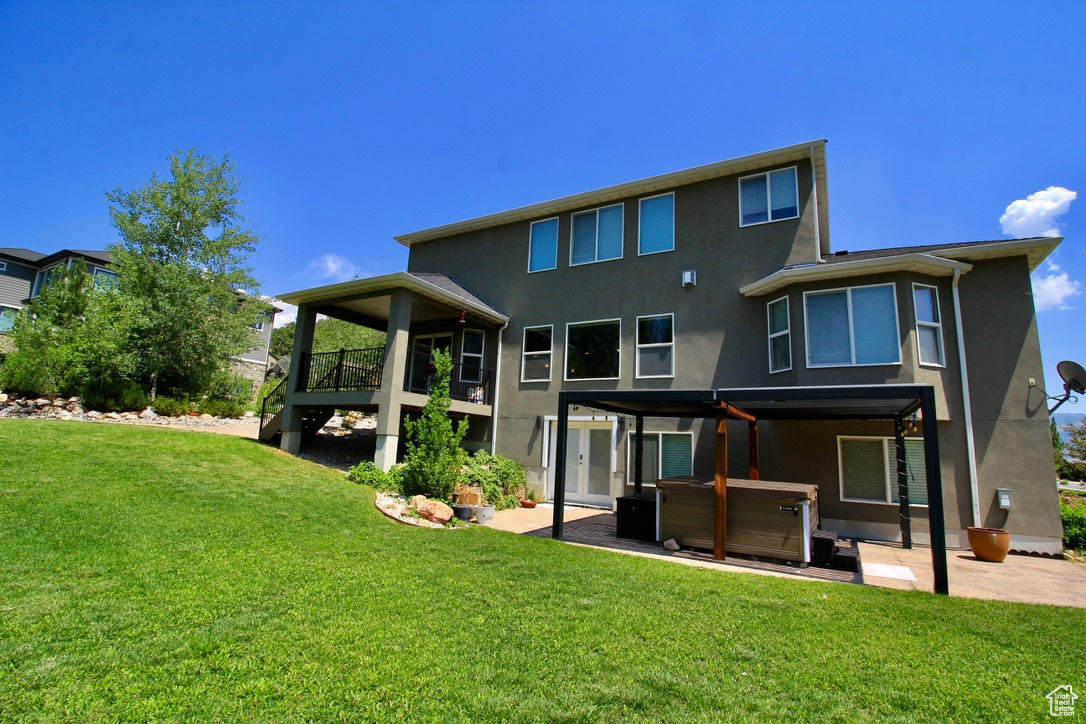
(752, 444)
(639, 452)
(291, 441)
(720, 518)
(559, 462)
(936, 523)
(392, 379)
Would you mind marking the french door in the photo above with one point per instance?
(589, 462)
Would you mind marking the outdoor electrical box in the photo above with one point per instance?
(1003, 495)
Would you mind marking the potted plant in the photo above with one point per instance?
(530, 498)
(461, 511)
(989, 544)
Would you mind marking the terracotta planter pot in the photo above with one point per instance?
(989, 544)
(527, 503)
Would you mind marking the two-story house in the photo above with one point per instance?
(719, 276)
(24, 273)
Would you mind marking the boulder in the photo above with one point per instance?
(64, 415)
(671, 545)
(148, 414)
(3, 398)
(94, 414)
(435, 511)
(75, 408)
(206, 416)
(40, 402)
(111, 416)
(417, 500)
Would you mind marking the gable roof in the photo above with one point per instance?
(938, 260)
(96, 255)
(20, 254)
(813, 150)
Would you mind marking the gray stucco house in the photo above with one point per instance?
(719, 276)
(23, 273)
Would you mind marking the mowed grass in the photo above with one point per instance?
(157, 574)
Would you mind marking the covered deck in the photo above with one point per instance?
(419, 313)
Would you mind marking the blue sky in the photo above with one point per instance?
(352, 122)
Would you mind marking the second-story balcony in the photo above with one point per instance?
(363, 369)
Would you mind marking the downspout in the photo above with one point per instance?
(967, 407)
(814, 195)
(497, 392)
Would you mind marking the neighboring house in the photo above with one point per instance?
(24, 273)
(719, 276)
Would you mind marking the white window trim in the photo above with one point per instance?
(463, 345)
(3, 266)
(524, 353)
(622, 237)
(851, 336)
(565, 354)
(768, 197)
(630, 445)
(640, 214)
(259, 324)
(773, 335)
(938, 326)
(638, 347)
(891, 478)
(530, 228)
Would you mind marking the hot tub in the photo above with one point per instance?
(765, 518)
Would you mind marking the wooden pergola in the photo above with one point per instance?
(896, 403)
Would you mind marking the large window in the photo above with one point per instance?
(868, 467)
(663, 455)
(46, 277)
(772, 196)
(7, 319)
(854, 326)
(596, 236)
(535, 365)
(593, 350)
(929, 325)
(780, 335)
(105, 279)
(656, 346)
(656, 224)
(471, 356)
(543, 245)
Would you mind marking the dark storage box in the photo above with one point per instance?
(636, 516)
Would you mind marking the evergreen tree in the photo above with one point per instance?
(1076, 450)
(435, 461)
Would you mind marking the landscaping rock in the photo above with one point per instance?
(435, 511)
(111, 416)
(148, 414)
(94, 414)
(3, 398)
(671, 545)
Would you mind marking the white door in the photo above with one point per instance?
(589, 462)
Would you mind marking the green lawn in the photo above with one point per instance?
(157, 574)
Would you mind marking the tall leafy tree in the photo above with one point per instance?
(182, 260)
(1075, 450)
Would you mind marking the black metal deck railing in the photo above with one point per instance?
(273, 403)
(347, 369)
(466, 383)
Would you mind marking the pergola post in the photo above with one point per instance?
(904, 518)
(560, 467)
(720, 517)
(639, 450)
(935, 491)
(752, 442)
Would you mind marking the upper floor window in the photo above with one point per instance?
(769, 196)
(780, 335)
(471, 356)
(929, 327)
(656, 224)
(3, 266)
(656, 346)
(868, 468)
(854, 326)
(543, 245)
(535, 364)
(105, 279)
(46, 277)
(593, 350)
(596, 235)
(258, 325)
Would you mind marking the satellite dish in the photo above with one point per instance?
(1074, 377)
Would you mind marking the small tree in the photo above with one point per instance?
(433, 465)
(1059, 451)
(1075, 450)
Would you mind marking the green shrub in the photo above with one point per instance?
(121, 397)
(171, 406)
(395, 479)
(502, 480)
(433, 465)
(222, 408)
(367, 473)
(1073, 512)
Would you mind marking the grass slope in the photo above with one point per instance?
(149, 573)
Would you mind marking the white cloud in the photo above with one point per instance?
(1036, 214)
(332, 266)
(285, 317)
(1054, 289)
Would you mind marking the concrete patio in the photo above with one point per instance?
(1022, 579)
